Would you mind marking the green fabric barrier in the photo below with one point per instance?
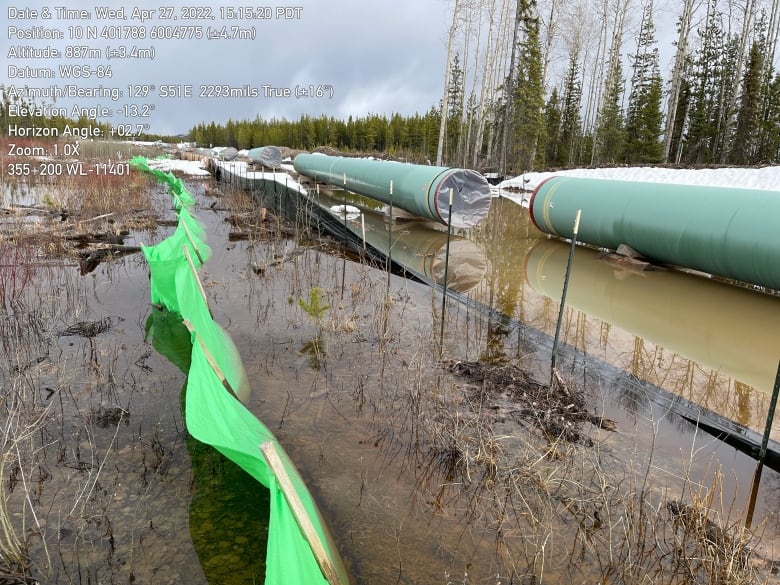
(169, 338)
(176, 189)
(216, 418)
(216, 340)
(213, 415)
(224, 501)
(167, 256)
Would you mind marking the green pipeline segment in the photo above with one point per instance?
(420, 247)
(216, 417)
(728, 232)
(419, 189)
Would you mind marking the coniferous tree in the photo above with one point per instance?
(610, 136)
(529, 96)
(746, 134)
(706, 76)
(725, 108)
(552, 126)
(455, 113)
(571, 126)
(644, 117)
(735, 76)
(507, 113)
(769, 128)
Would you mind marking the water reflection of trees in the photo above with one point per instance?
(506, 237)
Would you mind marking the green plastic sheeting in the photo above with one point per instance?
(176, 189)
(214, 415)
(225, 500)
(167, 255)
(216, 340)
(419, 189)
(729, 232)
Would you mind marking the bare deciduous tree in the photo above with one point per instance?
(445, 98)
(680, 57)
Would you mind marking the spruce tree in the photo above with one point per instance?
(571, 124)
(705, 79)
(643, 118)
(769, 134)
(454, 113)
(529, 96)
(609, 138)
(552, 127)
(744, 146)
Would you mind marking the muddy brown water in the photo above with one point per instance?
(420, 478)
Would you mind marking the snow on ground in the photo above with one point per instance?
(195, 168)
(240, 168)
(767, 178)
(185, 167)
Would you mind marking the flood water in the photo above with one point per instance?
(420, 477)
(714, 344)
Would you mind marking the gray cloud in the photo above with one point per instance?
(378, 57)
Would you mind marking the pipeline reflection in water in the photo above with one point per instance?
(420, 247)
(725, 328)
(722, 327)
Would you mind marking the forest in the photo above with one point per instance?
(531, 86)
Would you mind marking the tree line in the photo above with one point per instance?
(413, 138)
(580, 83)
(532, 85)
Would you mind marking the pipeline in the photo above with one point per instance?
(727, 232)
(421, 190)
(287, 197)
(419, 247)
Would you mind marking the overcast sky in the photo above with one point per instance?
(376, 56)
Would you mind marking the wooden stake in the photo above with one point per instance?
(197, 279)
(210, 359)
(192, 241)
(301, 516)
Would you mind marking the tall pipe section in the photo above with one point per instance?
(420, 247)
(729, 232)
(419, 189)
